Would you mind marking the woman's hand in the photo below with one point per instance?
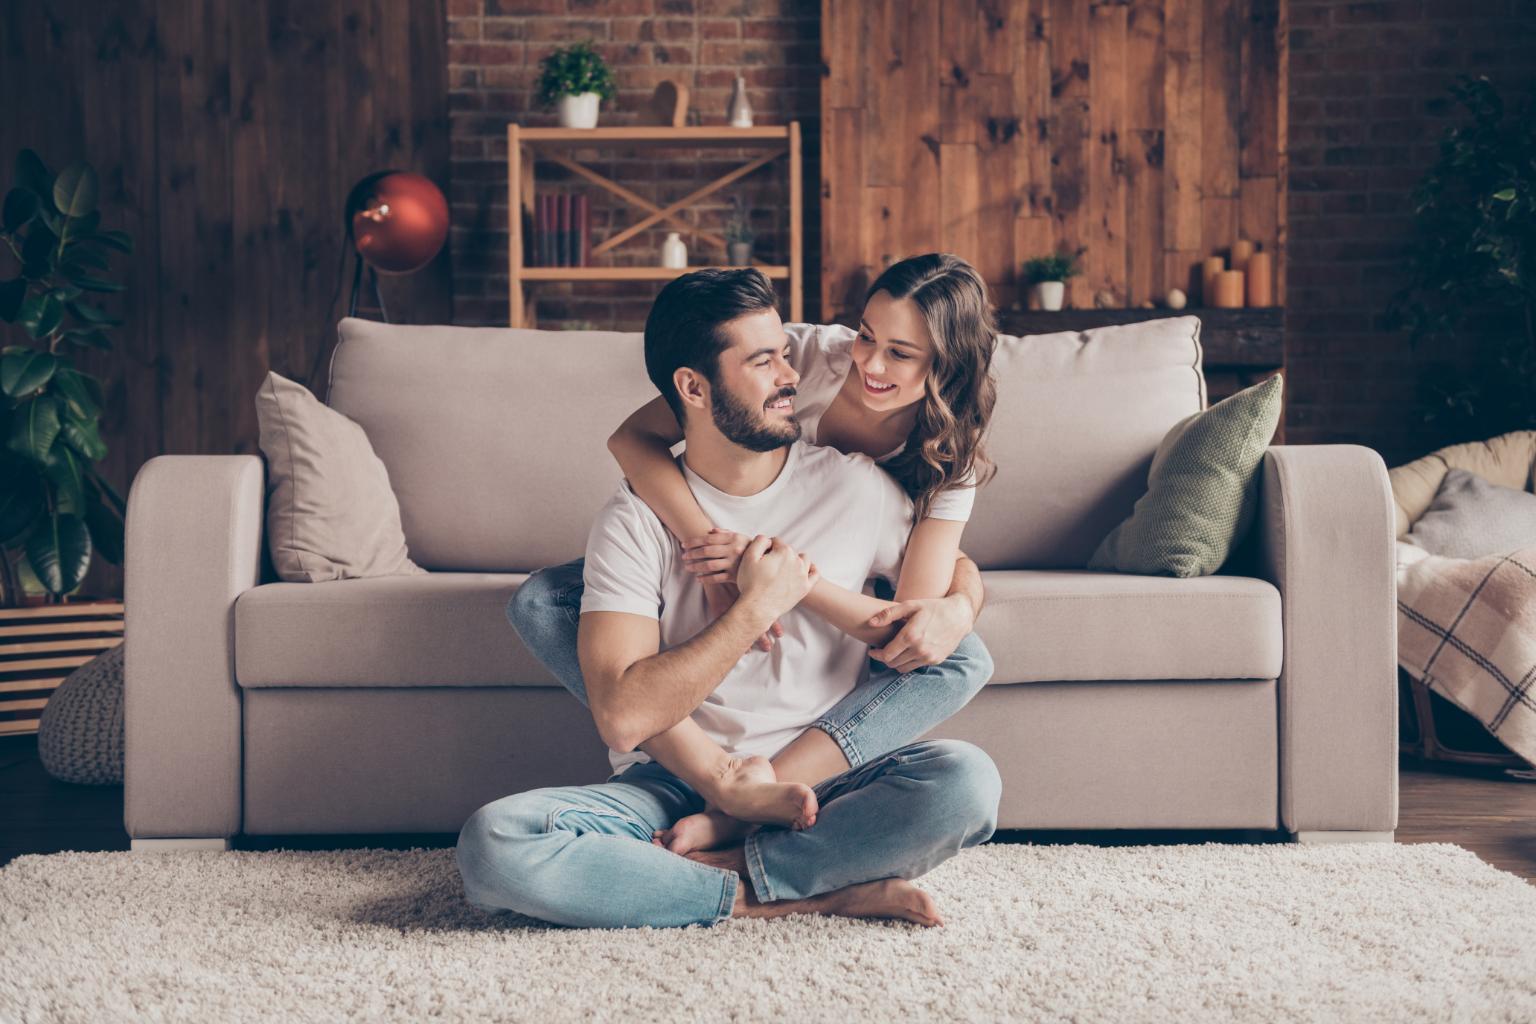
(935, 626)
(718, 598)
(713, 558)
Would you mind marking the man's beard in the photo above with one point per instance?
(752, 431)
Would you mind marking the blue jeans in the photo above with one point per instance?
(885, 711)
(582, 855)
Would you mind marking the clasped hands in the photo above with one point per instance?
(933, 626)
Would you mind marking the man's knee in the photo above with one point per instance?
(493, 847)
(535, 598)
(972, 785)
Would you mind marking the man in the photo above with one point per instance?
(650, 657)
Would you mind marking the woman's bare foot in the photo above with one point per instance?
(747, 789)
(703, 831)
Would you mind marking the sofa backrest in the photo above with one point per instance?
(495, 438)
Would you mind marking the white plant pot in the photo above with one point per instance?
(578, 111)
(1050, 294)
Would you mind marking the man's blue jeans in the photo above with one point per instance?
(885, 711)
(582, 855)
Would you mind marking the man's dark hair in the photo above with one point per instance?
(684, 326)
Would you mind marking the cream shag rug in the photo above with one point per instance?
(1041, 933)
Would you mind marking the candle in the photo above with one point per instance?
(1212, 266)
(1229, 289)
(1241, 250)
(1260, 281)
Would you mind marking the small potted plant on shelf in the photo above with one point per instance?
(739, 235)
(55, 507)
(1047, 277)
(574, 80)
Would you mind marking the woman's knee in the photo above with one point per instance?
(972, 785)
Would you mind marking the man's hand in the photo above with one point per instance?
(935, 626)
(718, 598)
(774, 577)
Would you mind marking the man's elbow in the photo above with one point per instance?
(620, 732)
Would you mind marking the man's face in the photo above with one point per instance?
(752, 397)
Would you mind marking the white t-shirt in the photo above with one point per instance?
(822, 355)
(841, 511)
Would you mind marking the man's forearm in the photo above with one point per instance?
(967, 583)
(657, 692)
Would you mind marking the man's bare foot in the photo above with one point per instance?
(703, 831)
(747, 789)
(893, 898)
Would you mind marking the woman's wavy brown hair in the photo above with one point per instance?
(946, 441)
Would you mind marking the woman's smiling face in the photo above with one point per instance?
(892, 353)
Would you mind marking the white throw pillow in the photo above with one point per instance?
(331, 514)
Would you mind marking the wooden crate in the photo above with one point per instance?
(41, 645)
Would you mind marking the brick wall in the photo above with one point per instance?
(494, 49)
(1368, 106)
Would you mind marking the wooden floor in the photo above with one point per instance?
(1481, 809)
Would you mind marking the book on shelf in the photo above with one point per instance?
(561, 229)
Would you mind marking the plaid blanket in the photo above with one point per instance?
(1466, 628)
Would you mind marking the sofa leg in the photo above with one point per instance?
(1310, 838)
(176, 845)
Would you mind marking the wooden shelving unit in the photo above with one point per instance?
(528, 147)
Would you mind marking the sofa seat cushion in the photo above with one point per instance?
(1065, 625)
(440, 629)
(451, 629)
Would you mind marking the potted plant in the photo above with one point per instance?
(56, 510)
(739, 235)
(1047, 277)
(574, 80)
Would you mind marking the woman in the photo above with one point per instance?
(911, 389)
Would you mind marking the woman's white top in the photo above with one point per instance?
(823, 355)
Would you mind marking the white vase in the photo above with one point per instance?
(674, 253)
(578, 111)
(740, 111)
(1050, 294)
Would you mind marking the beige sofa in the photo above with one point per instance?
(1260, 698)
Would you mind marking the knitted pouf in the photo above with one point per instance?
(80, 735)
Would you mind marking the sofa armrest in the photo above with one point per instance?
(193, 545)
(1326, 541)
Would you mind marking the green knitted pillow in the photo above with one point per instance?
(1201, 490)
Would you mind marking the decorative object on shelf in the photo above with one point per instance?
(561, 230)
(669, 104)
(739, 113)
(1229, 290)
(58, 643)
(575, 79)
(739, 235)
(1176, 298)
(1047, 277)
(1209, 269)
(674, 254)
(1260, 279)
(57, 510)
(1105, 299)
(1241, 250)
(80, 733)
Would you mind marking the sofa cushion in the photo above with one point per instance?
(1201, 490)
(495, 437)
(1470, 518)
(450, 629)
(330, 512)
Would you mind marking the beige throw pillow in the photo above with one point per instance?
(331, 514)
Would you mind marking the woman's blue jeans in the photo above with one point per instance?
(886, 711)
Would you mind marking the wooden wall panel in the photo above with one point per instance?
(1149, 132)
(226, 136)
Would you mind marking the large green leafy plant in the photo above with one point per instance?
(1472, 266)
(55, 508)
